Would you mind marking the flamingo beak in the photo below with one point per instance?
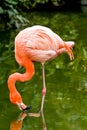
(28, 107)
(22, 106)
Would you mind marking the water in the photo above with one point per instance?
(66, 99)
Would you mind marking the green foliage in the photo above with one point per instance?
(11, 11)
(10, 14)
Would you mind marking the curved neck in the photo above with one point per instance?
(21, 77)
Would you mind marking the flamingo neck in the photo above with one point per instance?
(21, 77)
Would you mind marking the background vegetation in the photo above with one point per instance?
(12, 11)
(66, 98)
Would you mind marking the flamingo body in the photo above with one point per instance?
(36, 43)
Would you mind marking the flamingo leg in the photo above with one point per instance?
(44, 87)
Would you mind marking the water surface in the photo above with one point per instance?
(66, 99)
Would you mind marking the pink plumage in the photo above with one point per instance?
(36, 43)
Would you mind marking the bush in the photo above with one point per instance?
(10, 14)
(11, 11)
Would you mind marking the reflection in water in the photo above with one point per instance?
(17, 124)
(43, 120)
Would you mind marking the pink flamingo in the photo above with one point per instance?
(36, 43)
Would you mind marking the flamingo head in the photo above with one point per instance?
(22, 106)
(16, 99)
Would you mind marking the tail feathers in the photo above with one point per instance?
(70, 44)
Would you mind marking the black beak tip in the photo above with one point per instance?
(27, 108)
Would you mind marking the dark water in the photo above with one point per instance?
(66, 99)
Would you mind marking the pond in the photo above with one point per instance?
(66, 99)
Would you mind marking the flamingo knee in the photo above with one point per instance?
(43, 91)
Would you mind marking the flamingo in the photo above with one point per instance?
(35, 44)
